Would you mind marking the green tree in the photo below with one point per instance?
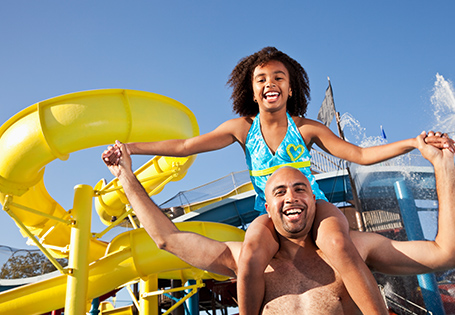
(24, 264)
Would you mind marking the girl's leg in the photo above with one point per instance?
(259, 247)
(331, 233)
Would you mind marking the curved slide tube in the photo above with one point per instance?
(56, 127)
(130, 255)
(53, 129)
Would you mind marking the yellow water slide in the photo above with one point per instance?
(129, 256)
(56, 127)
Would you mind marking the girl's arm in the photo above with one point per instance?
(227, 133)
(329, 142)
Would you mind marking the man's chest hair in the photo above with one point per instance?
(300, 275)
(310, 286)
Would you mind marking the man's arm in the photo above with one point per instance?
(197, 250)
(414, 257)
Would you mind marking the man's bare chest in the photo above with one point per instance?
(307, 287)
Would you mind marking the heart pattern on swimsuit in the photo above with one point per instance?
(294, 151)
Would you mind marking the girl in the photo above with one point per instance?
(271, 94)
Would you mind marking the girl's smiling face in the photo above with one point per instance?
(271, 86)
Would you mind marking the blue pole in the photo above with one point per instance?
(193, 302)
(95, 305)
(427, 282)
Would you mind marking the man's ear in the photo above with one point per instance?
(267, 209)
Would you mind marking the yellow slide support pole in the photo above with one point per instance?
(76, 288)
(149, 304)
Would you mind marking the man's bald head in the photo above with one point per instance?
(284, 172)
(290, 202)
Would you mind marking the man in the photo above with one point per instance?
(299, 279)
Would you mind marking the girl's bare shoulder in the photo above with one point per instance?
(239, 123)
(309, 129)
(307, 124)
(240, 127)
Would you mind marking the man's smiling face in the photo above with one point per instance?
(290, 202)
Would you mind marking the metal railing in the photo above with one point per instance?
(322, 162)
(401, 305)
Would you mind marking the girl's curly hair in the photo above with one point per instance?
(241, 82)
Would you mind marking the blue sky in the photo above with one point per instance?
(382, 58)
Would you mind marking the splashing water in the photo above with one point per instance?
(356, 134)
(352, 128)
(443, 101)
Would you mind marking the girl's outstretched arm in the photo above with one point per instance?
(329, 142)
(231, 131)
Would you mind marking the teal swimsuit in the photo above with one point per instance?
(262, 163)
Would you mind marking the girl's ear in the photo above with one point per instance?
(290, 92)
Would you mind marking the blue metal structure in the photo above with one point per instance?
(427, 282)
(239, 209)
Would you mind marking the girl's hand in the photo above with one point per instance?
(440, 140)
(124, 160)
(111, 156)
